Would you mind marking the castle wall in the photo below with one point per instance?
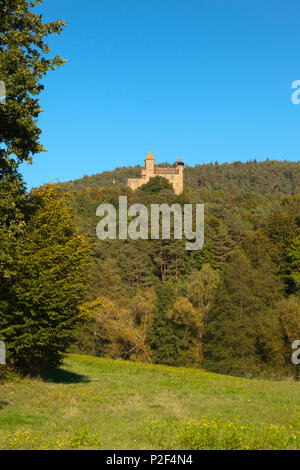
(135, 183)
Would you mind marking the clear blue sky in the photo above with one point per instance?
(204, 79)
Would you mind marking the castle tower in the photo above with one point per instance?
(180, 164)
(180, 168)
(149, 164)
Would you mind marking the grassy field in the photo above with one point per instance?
(94, 403)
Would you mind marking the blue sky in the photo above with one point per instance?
(204, 79)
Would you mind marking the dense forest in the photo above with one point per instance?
(232, 306)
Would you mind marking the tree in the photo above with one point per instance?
(242, 334)
(156, 184)
(183, 313)
(201, 288)
(12, 203)
(22, 66)
(289, 314)
(293, 262)
(43, 295)
(122, 332)
(222, 245)
(135, 263)
(189, 321)
(164, 339)
(204, 256)
(106, 278)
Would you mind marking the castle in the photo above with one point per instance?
(173, 175)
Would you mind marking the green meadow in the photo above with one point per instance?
(94, 403)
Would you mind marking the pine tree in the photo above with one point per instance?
(240, 325)
(163, 338)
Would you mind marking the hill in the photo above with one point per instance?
(252, 207)
(106, 404)
(262, 177)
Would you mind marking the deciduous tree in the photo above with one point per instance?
(43, 295)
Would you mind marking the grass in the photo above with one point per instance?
(93, 403)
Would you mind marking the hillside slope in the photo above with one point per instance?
(106, 404)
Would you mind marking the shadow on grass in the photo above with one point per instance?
(3, 403)
(62, 376)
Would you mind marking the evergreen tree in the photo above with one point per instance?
(240, 325)
(293, 266)
(163, 338)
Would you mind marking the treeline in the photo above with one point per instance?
(267, 177)
(232, 306)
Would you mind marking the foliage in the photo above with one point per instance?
(23, 64)
(12, 204)
(164, 339)
(42, 296)
(242, 210)
(119, 331)
(242, 334)
(30, 268)
(270, 177)
(156, 184)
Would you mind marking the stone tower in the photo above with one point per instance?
(148, 171)
(180, 168)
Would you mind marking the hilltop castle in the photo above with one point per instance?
(173, 175)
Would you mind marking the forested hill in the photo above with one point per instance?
(240, 292)
(262, 177)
